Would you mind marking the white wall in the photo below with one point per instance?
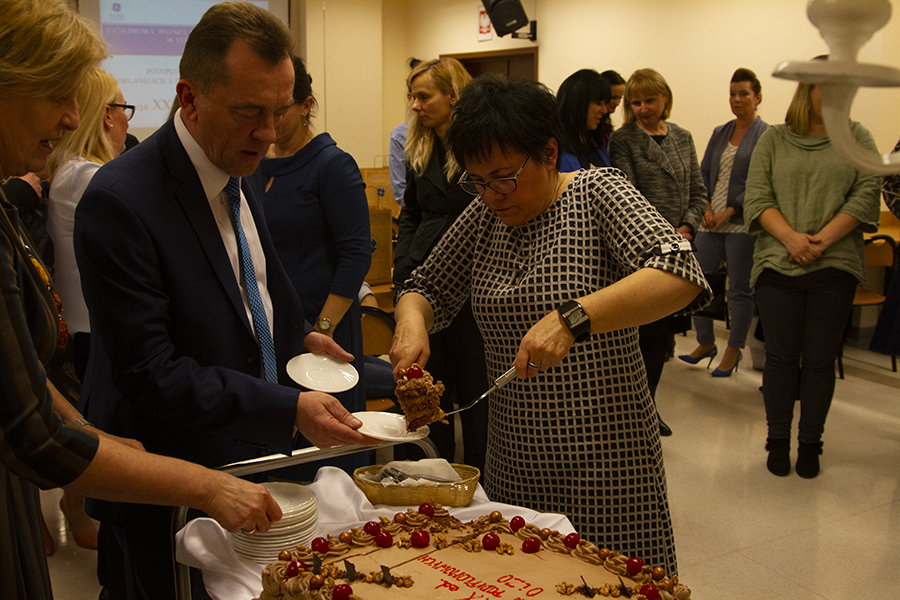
(343, 50)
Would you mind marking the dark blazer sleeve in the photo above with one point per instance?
(698, 197)
(410, 217)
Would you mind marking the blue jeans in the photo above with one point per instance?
(803, 319)
(737, 251)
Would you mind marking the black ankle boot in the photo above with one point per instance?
(808, 459)
(779, 462)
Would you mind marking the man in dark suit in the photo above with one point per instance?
(182, 362)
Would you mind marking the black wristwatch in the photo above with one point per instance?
(577, 320)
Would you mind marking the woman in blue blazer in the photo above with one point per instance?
(723, 235)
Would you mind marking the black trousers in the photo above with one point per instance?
(803, 319)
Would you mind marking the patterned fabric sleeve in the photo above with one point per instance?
(34, 444)
(890, 189)
(637, 233)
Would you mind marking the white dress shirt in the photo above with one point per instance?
(214, 181)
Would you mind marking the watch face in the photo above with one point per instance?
(323, 324)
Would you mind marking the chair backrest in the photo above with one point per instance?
(881, 251)
(377, 330)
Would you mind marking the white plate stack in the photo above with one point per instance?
(299, 524)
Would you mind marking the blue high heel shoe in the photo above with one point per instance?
(694, 360)
(721, 373)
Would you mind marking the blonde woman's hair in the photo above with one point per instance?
(449, 76)
(646, 82)
(90, 140)
(797, 117)
(45, 48)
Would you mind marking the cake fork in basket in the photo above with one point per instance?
(498, 383)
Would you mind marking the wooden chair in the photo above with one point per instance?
(378, 335)
(880, 252)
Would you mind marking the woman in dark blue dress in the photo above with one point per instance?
(316, 211)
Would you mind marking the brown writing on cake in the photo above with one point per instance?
(420, 397)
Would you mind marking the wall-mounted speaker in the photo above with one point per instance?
(506, 15)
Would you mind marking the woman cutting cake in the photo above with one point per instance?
(560, 269)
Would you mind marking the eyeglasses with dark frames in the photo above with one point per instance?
(128, 108)
(503, 185)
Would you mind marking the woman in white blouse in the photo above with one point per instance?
(100, 137)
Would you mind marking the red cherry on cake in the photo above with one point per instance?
(384, 540)
(420, 539)
(531, 545)
(415, 372)
(426, 509)
(650, 592)
(320, 545)
(293, 569)
(572, 540)
(634, 565)
(490, 541)
(516, 523)
(341, 592)
(372, 528)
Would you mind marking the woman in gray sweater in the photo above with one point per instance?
(660, 160)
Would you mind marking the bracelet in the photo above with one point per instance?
(82, 422)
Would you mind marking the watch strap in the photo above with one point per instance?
(577, 320)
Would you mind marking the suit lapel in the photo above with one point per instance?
(434, 174)
(656, 155)
(192, 198)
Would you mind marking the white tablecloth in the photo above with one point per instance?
(203, 544)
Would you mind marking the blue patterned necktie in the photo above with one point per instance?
(248, 275)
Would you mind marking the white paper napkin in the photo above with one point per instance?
(430, 467)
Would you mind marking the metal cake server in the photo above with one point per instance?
(498, 383)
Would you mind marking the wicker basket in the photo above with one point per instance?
(458, 493)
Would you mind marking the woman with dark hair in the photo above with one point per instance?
(809, 211)
(723, 236)
(660, 159)
(617, 86)
(560, 269)
(317, 212)
(582, 100)
(432, 202)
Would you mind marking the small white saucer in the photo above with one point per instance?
(388, 426)
(322, 373)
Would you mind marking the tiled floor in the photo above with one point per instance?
(740, 531)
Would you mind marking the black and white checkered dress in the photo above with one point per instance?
(580, 439)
